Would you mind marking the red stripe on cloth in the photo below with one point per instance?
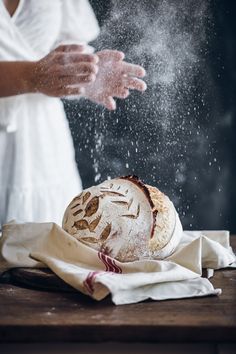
(118, 269)
(110, 263)
(89, 281)
(109, 266)
(101, 257)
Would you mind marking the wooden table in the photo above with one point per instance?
(28, 315)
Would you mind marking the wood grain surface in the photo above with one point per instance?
(32, 315)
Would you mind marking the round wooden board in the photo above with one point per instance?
(37, 278)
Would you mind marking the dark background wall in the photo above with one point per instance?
(180, 134)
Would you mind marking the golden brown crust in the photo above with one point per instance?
(123, 217)
(162, 231)
(145, 189)
(141, 185)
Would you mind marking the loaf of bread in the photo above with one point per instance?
(125, 219)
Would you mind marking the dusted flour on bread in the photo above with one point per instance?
(125, 219)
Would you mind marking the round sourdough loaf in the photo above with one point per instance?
(125, 219)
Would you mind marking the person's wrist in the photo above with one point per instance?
(29, 77)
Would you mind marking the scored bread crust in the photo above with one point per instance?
(163, 212)
(164, 221)
(123, 218)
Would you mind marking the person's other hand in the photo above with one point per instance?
(115, 78)
(64, 71)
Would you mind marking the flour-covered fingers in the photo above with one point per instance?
(73, 91)
(78, 79)
(70, 48)
(72, 54)
(78, 69)
(111, 54)
(132, 70)
(90, 58)
(121, 93)
(72, 58)
(65, 91)
(134, 84)
(69, 81)
(109, 103)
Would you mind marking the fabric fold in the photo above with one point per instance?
(96, 274)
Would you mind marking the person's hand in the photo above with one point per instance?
(64, 71)
(114, 78)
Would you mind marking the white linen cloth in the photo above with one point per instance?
(97, 275)
(36, 149)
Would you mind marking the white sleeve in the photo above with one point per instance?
(79, 23)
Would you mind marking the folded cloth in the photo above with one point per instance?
(96, 274)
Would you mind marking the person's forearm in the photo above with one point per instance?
(16, 78)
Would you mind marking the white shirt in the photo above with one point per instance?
(38, 173)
